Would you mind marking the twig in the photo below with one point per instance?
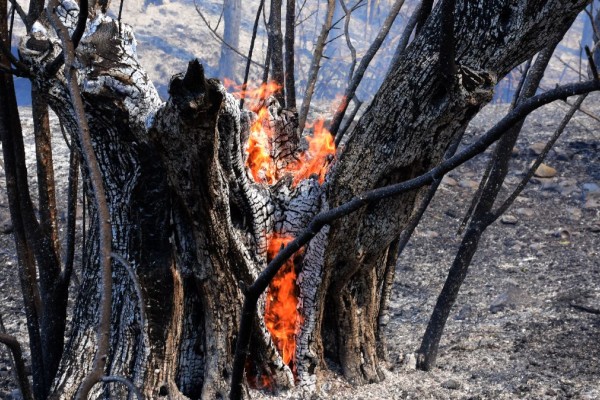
(249, 58)
(591, 63)
(255, 290)
(405, 38)
(348, 41)
(20, 11)
(315, 65)
(220, 38)
(58, 62)
(357, 104)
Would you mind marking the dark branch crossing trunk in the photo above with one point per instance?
(195, 227)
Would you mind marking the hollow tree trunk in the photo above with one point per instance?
(195, 226)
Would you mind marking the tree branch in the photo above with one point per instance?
(95, 176)
(362, 68)
(315, 65)
(563, 124)
(249, 58)
(21, 374)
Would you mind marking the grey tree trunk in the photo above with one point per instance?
(232, 16)
(196, 228)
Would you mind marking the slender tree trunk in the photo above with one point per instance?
(276, 43)
(232, 15)
(479, 221)
(290, 76)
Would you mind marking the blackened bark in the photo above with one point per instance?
(290, 76)
(276, 46)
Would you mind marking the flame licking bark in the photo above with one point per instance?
(313, 161)
(282, 318)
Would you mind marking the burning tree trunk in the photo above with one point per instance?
(202, 195)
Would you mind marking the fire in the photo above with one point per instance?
(282, 317)
(314, 161)
(259, 158)
(321, 149)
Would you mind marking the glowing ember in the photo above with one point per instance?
(314, 161)
(281, 311)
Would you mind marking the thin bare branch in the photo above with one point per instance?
(315, 65)
(21, 374)
(348, 41)
(540, 158)
(362, 68)
(220, 38)
(250, 50)
(104, 224)
(20, 11)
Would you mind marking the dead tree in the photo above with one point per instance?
(197, 228)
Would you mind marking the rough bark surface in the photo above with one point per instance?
(189, 219)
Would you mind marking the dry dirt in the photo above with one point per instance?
(524, 325)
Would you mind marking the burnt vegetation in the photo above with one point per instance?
(230, 240)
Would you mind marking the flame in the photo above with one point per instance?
(321, 149)
(282, 317)
(258, 149)
(314, 161)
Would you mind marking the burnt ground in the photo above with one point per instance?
(525, 324)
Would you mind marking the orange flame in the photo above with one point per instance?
(314, 161)
(282, 317)
(321, 148)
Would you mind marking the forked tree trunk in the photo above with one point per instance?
(195, 227)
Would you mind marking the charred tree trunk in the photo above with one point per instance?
(197, 227)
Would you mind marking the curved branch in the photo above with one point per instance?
(124, 381)
(254, 291)
(21, 374)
